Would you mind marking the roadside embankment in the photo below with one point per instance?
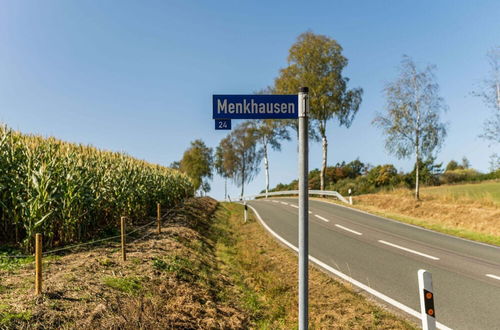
(206, 270)
(169, 281)
(265, 277)
(460, 215)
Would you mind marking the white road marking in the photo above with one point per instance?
(350, 230)
(408, 250)
(320, 217)
(275, 201)
(493, 276)
(310, 212)
(347, 278)
(293, 205)
(284, 203)
(409, 225)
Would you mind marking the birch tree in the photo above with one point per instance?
(225, 161)
(490, 93)
(197, 163)
(269, 134)
(491, 97)
(240, 151)
(316, 61)
(412, 123)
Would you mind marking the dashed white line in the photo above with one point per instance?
(284, 203)
(409, 250)
(493, 276)
(349, 230)
(345, 277)
(310, 212)
(293, 205)
(275, 201)
(320, 217)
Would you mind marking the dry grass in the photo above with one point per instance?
(168, 282)
(266, 277)
(473, 218)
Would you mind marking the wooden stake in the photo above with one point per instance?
(124, 253)
(158, 217)
(38, 264)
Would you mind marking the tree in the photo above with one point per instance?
(197, 163)
(269, 134)
(465, 163)
(244, 154)
(316, 61)
(412, 122)
(452, 165)
(491, 97)
(225, 161)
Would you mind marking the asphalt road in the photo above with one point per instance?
(385, 255)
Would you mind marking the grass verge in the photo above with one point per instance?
(474, 219)
(265, 278)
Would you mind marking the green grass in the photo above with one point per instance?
(9, 263)
(489, 190)
(130, 285)
(8, 318)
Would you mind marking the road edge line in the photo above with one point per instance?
(347, 278)
(408, 224)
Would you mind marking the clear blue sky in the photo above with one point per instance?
(137, 76)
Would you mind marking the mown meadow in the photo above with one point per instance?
(71, 192)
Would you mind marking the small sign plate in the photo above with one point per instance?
(223, 124)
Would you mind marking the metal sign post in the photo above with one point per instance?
(303, 208)
(227, 107)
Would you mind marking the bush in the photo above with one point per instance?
(460, 175)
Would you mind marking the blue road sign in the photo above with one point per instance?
(255, 106)
(222, 124)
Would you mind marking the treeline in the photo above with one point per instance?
(71, 192)
(410, 123)
(361, 178)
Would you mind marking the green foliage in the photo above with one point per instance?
(197, 163)
(412, 122)
(181, 267)
(316, 61)
(71, 192)
(8, 319)
(130, 285)
(461, 175)
(10, 263)
(452, 165)
(237, 155)
(429, 173)
(383, 175)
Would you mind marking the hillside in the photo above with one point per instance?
(468, 210)
(206, 270)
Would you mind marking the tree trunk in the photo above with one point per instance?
(266, 168)
(225, 189)
(417, 185)
(323, 164)
(242, 179)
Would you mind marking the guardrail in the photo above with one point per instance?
(296, 192)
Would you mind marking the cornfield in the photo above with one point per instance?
(71, 192)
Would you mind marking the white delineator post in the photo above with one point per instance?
(246, 209)
(426, 294)
(303, 208)
(350, 197)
